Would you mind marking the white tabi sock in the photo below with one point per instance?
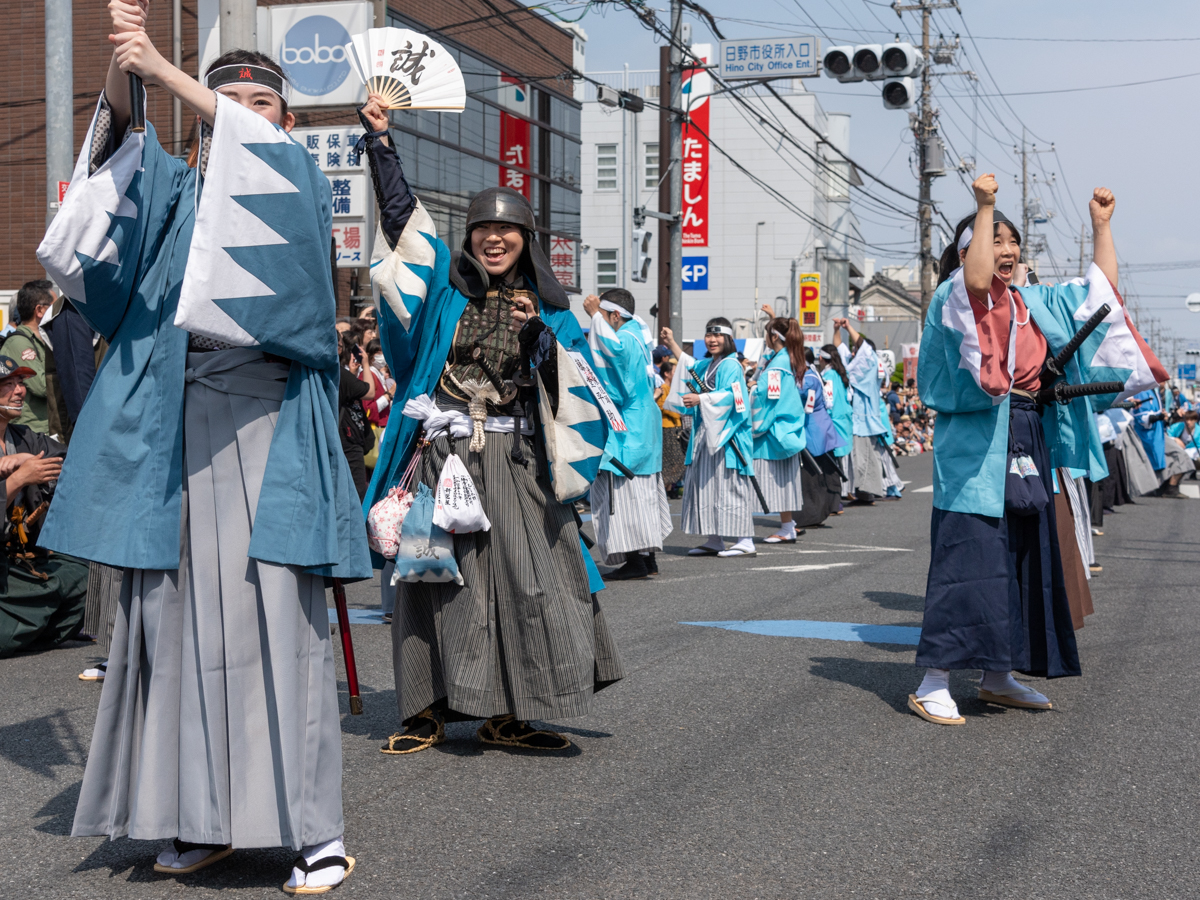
(172, 859)
(788, 528)
(321, 877)
(1004, 684)
(934, 693)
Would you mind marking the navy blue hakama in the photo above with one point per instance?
(996, 598)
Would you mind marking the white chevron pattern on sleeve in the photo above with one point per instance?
(406, 271)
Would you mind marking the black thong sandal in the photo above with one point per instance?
(428, 729)
(509, 731)
(325, 862)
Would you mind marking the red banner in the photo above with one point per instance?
(514, 150)
(696, 86)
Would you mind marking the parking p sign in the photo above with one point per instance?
(695, 273)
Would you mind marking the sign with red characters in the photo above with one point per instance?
(697, 85)
(514, 139)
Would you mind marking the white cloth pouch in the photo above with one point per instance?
(457, 508)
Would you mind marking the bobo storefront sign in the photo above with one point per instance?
(309, 40)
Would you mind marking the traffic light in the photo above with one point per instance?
(866, 60)
(901, 59)
(641, 254)
(899, 93)
(839, 64)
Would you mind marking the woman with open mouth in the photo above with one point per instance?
(996, 598)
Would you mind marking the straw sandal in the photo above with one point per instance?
(325, 862)
(96, 674)
(182, 847)
(918, 706)
(509, 731)
(427, 730)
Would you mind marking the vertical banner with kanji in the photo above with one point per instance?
(697, 85)
(808, 290)
(563, 261)
(514, 136)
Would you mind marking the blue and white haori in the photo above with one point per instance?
(778, 420)
(717, 494)
(630, 513)
(971, 431)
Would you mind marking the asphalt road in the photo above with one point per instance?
(731, 764)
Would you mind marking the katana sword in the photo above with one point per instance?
(700, 387)
(137, 112)
(339, 601)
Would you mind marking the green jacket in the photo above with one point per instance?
(27, 348)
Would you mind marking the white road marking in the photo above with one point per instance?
(809, 568)
(928, 489)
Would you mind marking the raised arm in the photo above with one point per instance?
(980, 264)
(134, 52)
(1105, 254)
(396, 202)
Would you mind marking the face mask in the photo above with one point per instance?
(377, 360)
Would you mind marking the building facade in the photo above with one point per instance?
(744, 243)
(521, 125)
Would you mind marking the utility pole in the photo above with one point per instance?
(925, 131)
(1030, 248)
(60, 102)
(239, 25)
(1082, 242)
(676, 163)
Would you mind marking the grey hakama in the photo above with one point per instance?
(716, 500)
(218, 722)
(523, 634)
(891, 478)
(629, 514)
(1178, 462)
(868, 468)
(780, 482)
(1138, 469)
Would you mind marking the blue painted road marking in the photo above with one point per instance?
(825, 631)
(359, 616)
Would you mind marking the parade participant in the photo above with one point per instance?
(521, 636)
(995, 598)
(777, 423)
(718, 497)
(838, 398)
(1168, 458)
(863, 370)
(892, 483)
(212, 448)
(1186, 434)
(629, 503)
(821, 491)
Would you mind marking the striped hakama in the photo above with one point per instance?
(523, 634)
(218, 721)
(629, 514)
(100, 608)
(867, 468)
(781, 483)
(716, 500)
(891, 478)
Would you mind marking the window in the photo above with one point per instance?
(652, 165)
(606, 167)
(606, 268)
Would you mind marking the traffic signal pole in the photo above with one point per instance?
(675, 226)
(924, 129)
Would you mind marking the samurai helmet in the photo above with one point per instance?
(502, 204)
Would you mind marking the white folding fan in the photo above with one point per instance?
(407, 69)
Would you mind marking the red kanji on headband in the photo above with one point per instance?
(246, 73)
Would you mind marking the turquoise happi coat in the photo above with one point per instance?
(777, 410)
(724, 408)
(840, 409)
(624, 367)
(970, 447)
(418, 311)
(147, 251)
(865, 379)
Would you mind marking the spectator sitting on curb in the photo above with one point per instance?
(41, 594)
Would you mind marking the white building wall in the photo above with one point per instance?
(736, 203)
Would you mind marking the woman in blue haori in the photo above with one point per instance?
(777, 423)
(823, 489)
(995, 598)
(718, 498)
(214, 463)
(1167, 458)
(520, 636)
(837, 399)
(865, 376)
(629, 503)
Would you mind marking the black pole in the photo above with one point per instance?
(137, 110)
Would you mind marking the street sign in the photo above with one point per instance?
(808, 289)
(350, 243)
(1193, 302)
(1187, 371)
(695, 273)
(799, 57)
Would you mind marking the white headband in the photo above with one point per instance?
(965, 240)
(609, 306)
(825, 355)
(719, 329)
(781, 338)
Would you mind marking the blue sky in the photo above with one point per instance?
(1139, 141)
